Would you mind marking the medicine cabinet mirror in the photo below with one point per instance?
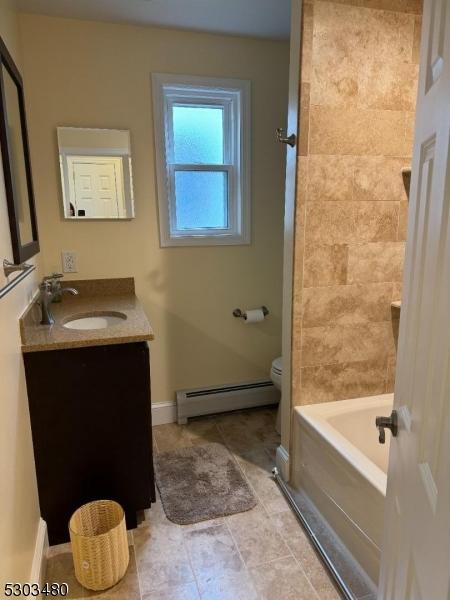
(96, 173)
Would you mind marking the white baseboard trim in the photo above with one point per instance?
(282, 462)
(163, 413)
(38, 566)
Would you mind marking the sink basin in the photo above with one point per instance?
(99, 320)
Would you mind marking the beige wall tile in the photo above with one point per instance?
(339, 30)
(417, 38)
(390, 377)
(395, 323)
(376, 221)
(296, 371)
(339, 344)
(298, 280)
(342, 381)
(344, 178)
(358, 131)
(388, 85)
(330, 223)
(330, 178)
(347, 304)
(352, 215)
(379, 261)
(302, 177)
(397, 291)
(403, 221)
(351, 222)
(410, 121)
(373, 84)
(379, 178)
(334, 78)
(325, 265)
(408, 6)
(344, 69)
(304, 119)
(414, 6)
(307, 42)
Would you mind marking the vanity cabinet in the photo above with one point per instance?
(91, 424)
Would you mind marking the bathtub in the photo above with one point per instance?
(341, 467)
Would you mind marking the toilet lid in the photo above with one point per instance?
(277, 365)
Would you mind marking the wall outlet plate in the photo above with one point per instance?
(69, 262)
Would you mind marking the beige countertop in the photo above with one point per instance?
(95, 296)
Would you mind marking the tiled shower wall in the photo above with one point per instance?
(358, 90)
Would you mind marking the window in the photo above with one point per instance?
(202, 135)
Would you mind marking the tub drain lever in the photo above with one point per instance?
(387, 423)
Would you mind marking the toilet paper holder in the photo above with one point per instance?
(239, 314)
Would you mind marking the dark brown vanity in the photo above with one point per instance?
(89, 398)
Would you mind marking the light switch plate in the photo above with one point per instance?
(69, 262)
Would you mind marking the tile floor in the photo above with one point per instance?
(262, 554)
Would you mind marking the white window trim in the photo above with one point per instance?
(240, 215)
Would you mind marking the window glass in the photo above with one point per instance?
(198, 135)
(201, 200)
(202, 135)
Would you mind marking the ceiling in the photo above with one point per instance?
(259, 18)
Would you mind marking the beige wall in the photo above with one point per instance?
(81, 73)
(19, 508)
(359, 77)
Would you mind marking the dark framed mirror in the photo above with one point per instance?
(16, 160)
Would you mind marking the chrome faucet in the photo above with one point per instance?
(50, 291)
(55, 285)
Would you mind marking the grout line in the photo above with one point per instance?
(316, 593)
(264, 509)
(138, 572)
(273, 560)
(286, 541)
(237, 548)
(137, 568)
(188, 554)
(299, 562)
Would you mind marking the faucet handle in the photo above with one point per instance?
(53, 277)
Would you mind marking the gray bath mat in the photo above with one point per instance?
(201, 483)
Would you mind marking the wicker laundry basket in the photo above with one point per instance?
(99, 544)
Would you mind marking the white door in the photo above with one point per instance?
(96, 186)
(416, 545)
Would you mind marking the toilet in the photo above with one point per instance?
(276, 373)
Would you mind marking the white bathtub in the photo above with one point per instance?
(340, 465)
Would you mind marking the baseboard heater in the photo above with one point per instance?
(224, 398)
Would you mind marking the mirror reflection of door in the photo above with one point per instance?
(97, 186)
(17, 165)
(96, 173)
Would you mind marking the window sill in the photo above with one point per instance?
(206, 240)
